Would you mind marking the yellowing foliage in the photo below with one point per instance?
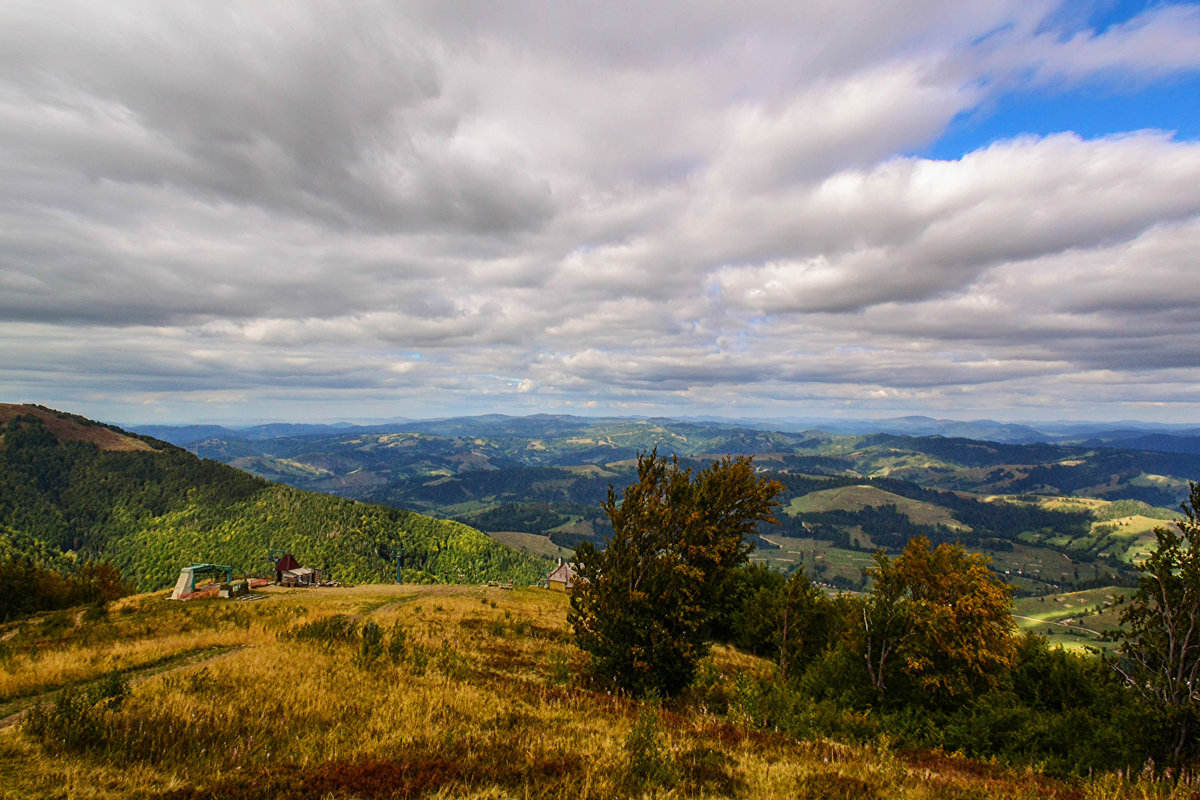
(946, 617)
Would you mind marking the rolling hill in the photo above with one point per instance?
(548, 475)
(396, 459)
(89, 490)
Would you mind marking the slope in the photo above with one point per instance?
(151, 507)
(858, 497)
(478, 694)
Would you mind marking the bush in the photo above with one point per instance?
(370, 645)
(74, 722)
(397, 644)
(647, 757)
(326, 632)
(418, 659)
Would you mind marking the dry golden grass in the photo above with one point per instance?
(485, 699)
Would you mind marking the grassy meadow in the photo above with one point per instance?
(405, 691)
(822, 561)
(1074, 620)
(856, 498)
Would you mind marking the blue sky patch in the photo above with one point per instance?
(1091, 111)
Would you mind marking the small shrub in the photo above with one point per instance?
(70, 724)
(560, 670)
(370, 647)
(74, 722)
(397, 644)
(418, 659)
(451, 663)
(110, 691)
(326, 632)
(647, 758)
(710, 690)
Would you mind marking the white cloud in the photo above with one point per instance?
(913, 229)
(679, 206)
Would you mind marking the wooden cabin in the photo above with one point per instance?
(562, 578)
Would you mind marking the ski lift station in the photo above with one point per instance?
(185, 587)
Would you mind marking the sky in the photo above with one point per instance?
(308, 211)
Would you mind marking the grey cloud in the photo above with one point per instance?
(816, 37)
(307, 109)
(660, 206)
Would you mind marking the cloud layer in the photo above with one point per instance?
(302, 209)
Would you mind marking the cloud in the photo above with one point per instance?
(914, 228)
(1160, 41)
(674, 207)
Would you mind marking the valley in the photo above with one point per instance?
(1054, 515)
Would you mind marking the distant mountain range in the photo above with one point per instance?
(1071, 507)
(1126, 434)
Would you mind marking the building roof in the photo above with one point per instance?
(287, 562)
(563, 572)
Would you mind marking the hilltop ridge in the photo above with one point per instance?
(74, 428)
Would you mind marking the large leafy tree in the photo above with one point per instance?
(942, 618)
(645, 603)
(1161, 650)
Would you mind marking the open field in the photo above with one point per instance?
(856, 498)
(473, 692)
(822, 561)
(1122, 529)
(534, 544)
(1075, 620)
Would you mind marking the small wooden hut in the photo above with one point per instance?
(562, 578)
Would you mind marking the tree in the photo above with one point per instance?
(887, 621)
(785, 618)
(645, 603)
(943, 615)
(1161, 650)
(805, 618)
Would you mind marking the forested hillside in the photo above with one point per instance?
(74, 486)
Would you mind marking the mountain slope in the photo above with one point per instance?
(150, 507)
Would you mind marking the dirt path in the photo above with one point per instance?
(12, 711)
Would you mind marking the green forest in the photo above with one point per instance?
(149, 512)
